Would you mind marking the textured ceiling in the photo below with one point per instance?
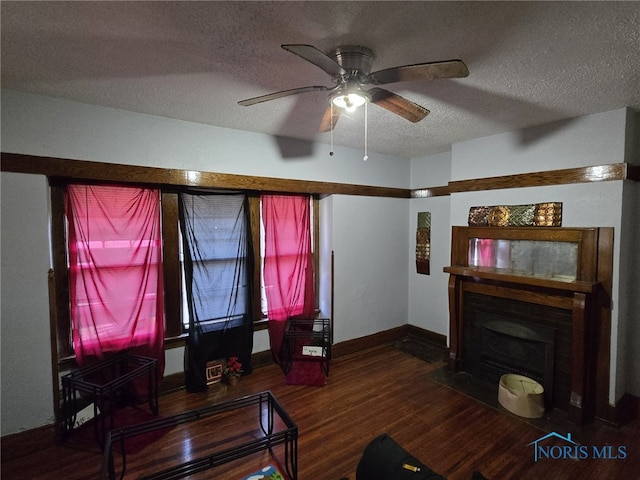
(530, 63)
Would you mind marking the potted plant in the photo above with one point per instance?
(233, 370)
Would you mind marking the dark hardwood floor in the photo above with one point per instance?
(380, 390)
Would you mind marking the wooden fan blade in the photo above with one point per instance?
(420, 71)
(284, 93)
(329, 121)
(319, 59)
(398, 105)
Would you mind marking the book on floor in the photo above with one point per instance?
(269, 472)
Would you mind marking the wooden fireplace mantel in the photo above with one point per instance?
(574, 296)
(587, 298)
(487, 273)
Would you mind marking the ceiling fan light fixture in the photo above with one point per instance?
(350, 101)
(349, 66)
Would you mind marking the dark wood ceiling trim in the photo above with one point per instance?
(430, 192)
(598, 173)
(112, 172)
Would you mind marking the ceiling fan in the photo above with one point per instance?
(349, 67)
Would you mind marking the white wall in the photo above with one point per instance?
(376, 299)
(427, 309)
(628, 338)
(25, 340)
(592, 140)
(46, 126)
(53, 127)
(628, 364)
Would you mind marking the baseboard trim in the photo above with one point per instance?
(624, 411)
(176, 381)
(357, 344)
(388, 336)
(428, 336)
(264, 358)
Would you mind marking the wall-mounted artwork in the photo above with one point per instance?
(423, 242)
(534, 215)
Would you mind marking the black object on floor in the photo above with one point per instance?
(384, 459)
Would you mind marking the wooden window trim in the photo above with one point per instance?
(174, 334)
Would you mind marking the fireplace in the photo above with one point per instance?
(506, 336)
(545, 325)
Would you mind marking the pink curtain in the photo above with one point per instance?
(115, 271)
(288, 262)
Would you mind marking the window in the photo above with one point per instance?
(214, 236)
(169, 245)
(290, 257)
(115, 263)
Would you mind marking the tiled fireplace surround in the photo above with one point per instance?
(503, 335)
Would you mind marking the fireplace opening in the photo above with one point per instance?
(508, 346)
(508, 336)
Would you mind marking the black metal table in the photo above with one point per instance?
(276, 427)
(105, 383)
(308, 340)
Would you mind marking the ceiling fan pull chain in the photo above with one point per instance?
(366, 122)
(331, 130)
